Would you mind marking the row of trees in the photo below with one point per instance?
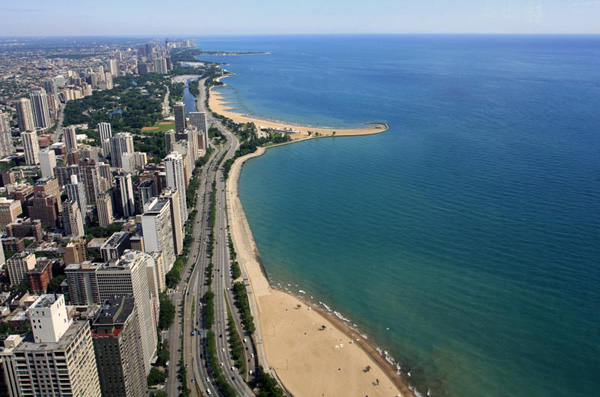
(235, 344)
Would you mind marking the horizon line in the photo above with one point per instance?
(196, 36)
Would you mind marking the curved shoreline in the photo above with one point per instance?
(218, 105)
(283, 320)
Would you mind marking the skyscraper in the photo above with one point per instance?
(89, 175)
(82, 282)
(178, 230)
(70, 138)
(72, 219)
(50, 86)
(199, 121)
(119, 352)
(157, 228)
(146, 190)
(25, 115)
(121, 143)
(6, 142)
(125, 192)
(176, 180)
(105, 209)
(59, 361)
(179, 111)
(113, 67)
(39, 106)
(76, 192)
(105, 132)
(169, 140)
(18, 266)
(128, 277)
(31, 147)
(160, 66)
(47, 162)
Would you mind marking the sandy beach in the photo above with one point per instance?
(312, 352)
(218, 105)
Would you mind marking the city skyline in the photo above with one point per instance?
(38, 18)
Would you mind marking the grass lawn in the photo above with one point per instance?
(161, 126)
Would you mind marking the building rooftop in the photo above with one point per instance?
(28, 344)
(158, 206)
(115, 310)
(44, 301)
(96, 243)
(116, 239)
(83, 266)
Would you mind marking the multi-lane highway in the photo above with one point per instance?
(189, 330)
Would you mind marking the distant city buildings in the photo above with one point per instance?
(105, 344)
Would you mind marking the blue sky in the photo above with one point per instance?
(202, 17)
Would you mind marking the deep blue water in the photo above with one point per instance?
(471, 228)
(189, 100)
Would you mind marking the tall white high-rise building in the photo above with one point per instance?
(70, 138)
(47, 159)
(105, 133)
(25, 115)
(176, 180)
(41, 111)
(6, 142)
(160, 66)
(49, 314)
(113, 67)
(157, 229)
(121, 143)
(31, 147)
(178, 229)
(59, 361)
(128, 277)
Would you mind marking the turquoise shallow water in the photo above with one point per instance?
(471, 228)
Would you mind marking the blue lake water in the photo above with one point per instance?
(471, 228)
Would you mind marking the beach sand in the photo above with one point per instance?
(218, 105)
(308, 360)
